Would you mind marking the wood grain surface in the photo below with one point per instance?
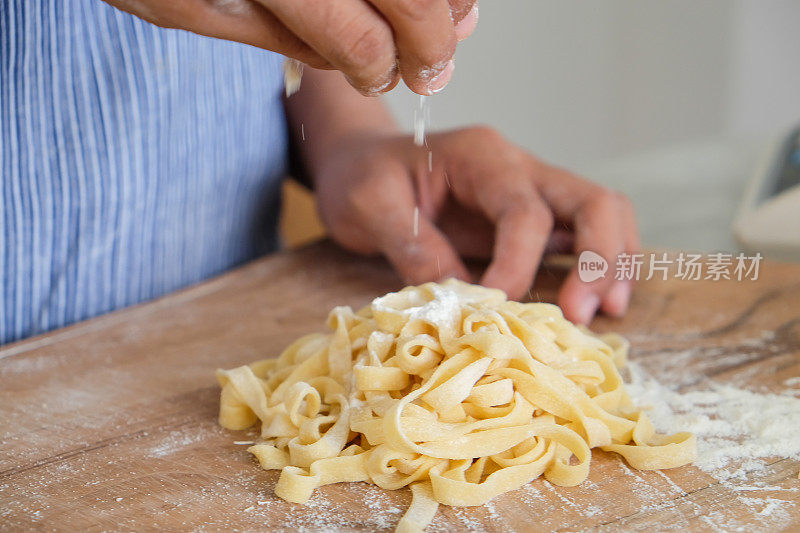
(111, 424)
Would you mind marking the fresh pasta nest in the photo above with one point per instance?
(449, 388)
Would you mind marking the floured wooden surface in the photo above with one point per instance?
(111, 424)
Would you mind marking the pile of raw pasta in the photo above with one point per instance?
(448, 388)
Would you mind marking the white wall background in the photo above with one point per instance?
(579, 81)
(643, 95)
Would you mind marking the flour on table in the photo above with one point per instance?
(739, 433)
(792, 382)
(731, 424)
(175, 441)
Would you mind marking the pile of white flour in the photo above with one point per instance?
(737, 430)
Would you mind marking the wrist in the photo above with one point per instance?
(340, 142)
(327, 114)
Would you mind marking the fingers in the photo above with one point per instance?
(412, 243)
(373, 44)
(491, 178)
(384, 207)
(521, 235)
(465, 26)
(426, 256)
(616, 301)
(461, 8)
(600, 227)
(349, 34)
(604, 222)
(523, 222)
(247, 22)
(425, 37)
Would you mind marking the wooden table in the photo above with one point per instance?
(111, 424)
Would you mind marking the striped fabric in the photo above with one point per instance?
(134, 160)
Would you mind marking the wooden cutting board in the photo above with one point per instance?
(111, 424)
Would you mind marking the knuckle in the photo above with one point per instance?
(365, 46)
(542, 218)
(603, 198)
(624, 202)
(514, 158)
(485, 134)
(361, 200)
(537, 163)
(487, 138)
(534, 213)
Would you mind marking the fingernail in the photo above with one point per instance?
(618, 298)
(392, 79)
(385, 84)
(443, 78)
(467, 25)
(587, 308)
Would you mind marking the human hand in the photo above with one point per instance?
(482, 198)
(373, 42)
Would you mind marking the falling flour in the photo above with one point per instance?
(421, 118)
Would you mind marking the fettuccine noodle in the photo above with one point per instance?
(448, 388)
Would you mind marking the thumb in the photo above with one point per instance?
(422, 255)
